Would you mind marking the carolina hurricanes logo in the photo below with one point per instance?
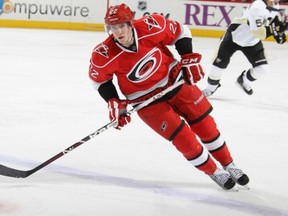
(146, 67)
(102, 50)
(151, 22)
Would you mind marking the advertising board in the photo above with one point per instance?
(204, 18)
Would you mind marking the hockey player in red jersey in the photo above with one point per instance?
(135, 52)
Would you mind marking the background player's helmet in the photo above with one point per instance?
(118, 14)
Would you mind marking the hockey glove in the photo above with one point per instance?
(117, 112)
(278, 30)
(193, 71)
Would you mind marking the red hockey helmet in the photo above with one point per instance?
(118, 14)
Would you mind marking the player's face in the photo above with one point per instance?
(123, 33)
(272, 3)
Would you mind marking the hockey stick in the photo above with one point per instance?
(15, 173)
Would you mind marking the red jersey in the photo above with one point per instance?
(141, 71)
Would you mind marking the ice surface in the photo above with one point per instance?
(47, 103)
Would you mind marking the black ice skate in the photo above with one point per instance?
(212, 86)
(237, 174)
(246, 87)
(223, 179)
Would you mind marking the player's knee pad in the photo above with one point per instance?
(186, 142)
(206, 129)
(259, 71)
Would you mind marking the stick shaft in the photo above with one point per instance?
(11, 172)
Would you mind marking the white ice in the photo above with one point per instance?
(47, 103)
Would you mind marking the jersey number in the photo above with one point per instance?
(173, 28)
(259, 22)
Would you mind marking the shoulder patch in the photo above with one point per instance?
(102, 49)
(152, 23)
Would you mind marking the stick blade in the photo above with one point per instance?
(10, 172)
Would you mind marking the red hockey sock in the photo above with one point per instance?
(219, 150)
(213, 140)
(188, 145)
